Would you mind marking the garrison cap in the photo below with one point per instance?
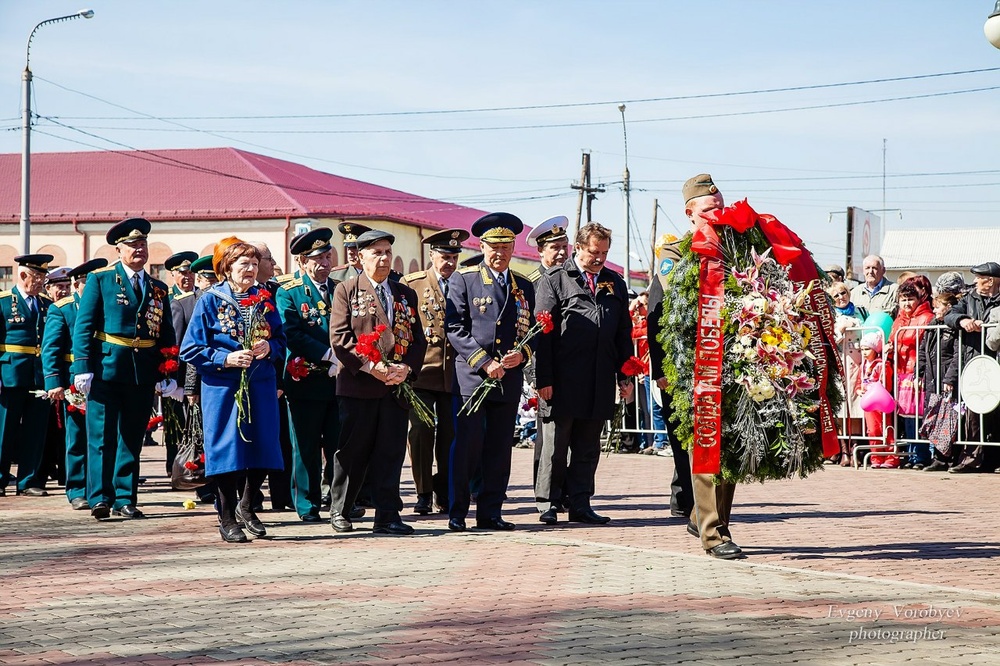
(180, 261)
(497, 228)
(312, 243)
(203, 265)
(990, 268)
(126, 231)
(448, 241)
(699, 186)
(38, 262)
(351, 231)
(472, 260)
(552, 229)
(88, 266)
(374, 236)
(58, 275)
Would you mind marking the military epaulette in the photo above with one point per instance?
(183, 295)
(535, 275)
(415, 276)
(469, 269)
(6, 294)
(291, 284)
(105, 269)
(519, 275)
(284, 277)
(63, 301)
(45, 297)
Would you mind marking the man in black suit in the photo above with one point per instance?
(576, 368)
(373, 420)
(489, 311)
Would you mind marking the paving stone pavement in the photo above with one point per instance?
(846, 567)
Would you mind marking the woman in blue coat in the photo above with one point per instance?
(232, 339)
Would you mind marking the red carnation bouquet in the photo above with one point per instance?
(168, 368)
(256, 329)
(298, 368)
(543, 324)
(195, 465)
(633, 367)
(368, 348)
(76, 402)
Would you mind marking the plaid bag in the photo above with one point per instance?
(940, 426)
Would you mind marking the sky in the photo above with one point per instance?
(429, 98)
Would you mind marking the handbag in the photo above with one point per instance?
(188, 471)
(940, 426)
(909, 400)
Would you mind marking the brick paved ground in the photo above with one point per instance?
(837, 563)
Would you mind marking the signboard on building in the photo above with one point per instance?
(864, 237)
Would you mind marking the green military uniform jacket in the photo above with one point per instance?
(57, 343)
(439, 359)
(21, 332)
(117, 336)
(305, 317)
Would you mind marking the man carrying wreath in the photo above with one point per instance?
(373, 419)
(489, 312)
(576, 370)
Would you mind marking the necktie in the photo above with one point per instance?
(31, 305)
(502, 281)
(322, 291)
(380, 290)
(444, 288)
(136, 287)
(592, 283)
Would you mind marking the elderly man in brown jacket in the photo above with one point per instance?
(373, 419)
(433, 384)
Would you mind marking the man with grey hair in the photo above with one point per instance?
(875, 294)
(951, 282)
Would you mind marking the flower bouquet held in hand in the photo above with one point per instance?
(543, 324)
(167, 369)
(368, 347)
(76, 402)
(252, 329)
(633, 367)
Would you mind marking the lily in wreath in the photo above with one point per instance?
(233, 338)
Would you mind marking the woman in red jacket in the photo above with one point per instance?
(914, 313)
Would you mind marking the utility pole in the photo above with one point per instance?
(625, 177)
(652, 243)
(585, 190)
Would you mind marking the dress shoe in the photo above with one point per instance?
(101, 510)
(496, 523)
(588, 516)
(693, 530)
(311, 518)
(357, 512)
(936, 466)
(727, 550)
(341, 524)
(396, 527)
(549, 517)
(961, 469)
(250, 521)
(79, 504)
(207, 498)
(33, 492)
(129, 511)
(456, 525)
(232, 534)
(423, 505)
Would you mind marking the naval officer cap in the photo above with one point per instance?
(472, 260)
(497, 228)
(180, 261)
(373, 236)
(448, 241)
(351, 231)
(203, 266)
(552, 229)
(312, 243)
(58, 275)
(88, 266)
(128, 231)
(38, 262)
(699, 186)
(990, 268)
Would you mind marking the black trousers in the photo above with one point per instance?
(580, 439)
(484, 438)
(681, 492)
(372, 445)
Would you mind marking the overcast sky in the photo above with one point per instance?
(200, 68)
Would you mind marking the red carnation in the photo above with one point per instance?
(297, 368)
(264, 294)
(169, 367)
(191, 465)
(545, 319)
(634, 366)
(170, 352)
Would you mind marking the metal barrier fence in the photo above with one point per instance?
(866, 444)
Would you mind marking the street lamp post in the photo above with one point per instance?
(26, 130)
(992, 26)
(628, 258)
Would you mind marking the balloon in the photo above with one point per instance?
(879, 321)
(877, 399)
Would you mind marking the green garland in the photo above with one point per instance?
(772, 439)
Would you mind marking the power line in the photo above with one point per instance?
(568, 105)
